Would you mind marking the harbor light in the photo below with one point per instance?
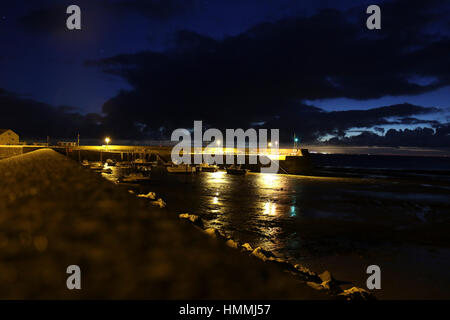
(107, 140)
(295, 139)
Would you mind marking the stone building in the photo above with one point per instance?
(8, 137)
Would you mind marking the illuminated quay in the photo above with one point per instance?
(290, 160)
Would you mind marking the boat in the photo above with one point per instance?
(123, 164)
(85, 163)
(237, 170)
(181, 168)
(111, 162)
(143, 169)
(135, 177)
(96, 166)
(107, 171)
(138, 161)
(206, 167)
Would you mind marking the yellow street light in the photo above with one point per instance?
(107, 140)
(270, 144)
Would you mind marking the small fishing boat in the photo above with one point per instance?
(144, 169)
(139, 161)
(123, 164)
(206, 167)
(181, 168)
(135, 177)
(237, 170)
(111, 162)
(96, 166)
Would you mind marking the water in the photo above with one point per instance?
(342, 224)
(365, 161)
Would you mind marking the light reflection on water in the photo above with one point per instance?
(245, 207)
(274, 211)
(292, 216)
(248, 208)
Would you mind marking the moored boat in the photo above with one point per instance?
(96, 166)
(111, 162)
(135, 177)
(206, 167)
(237, 170)
(181, 168)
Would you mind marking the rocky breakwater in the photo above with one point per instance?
(323, 282)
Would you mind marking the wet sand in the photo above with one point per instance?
(339, 224)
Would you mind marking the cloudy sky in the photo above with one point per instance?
(139, 69)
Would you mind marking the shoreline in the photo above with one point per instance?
(330, 238)
(55, 214)
(321, 282)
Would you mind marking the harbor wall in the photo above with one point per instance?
(288, 165)
(9, 151)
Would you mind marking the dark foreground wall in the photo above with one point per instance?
(7, 151)
(54, 213)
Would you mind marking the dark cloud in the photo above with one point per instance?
(311, 123)
(424, 137)
(33, 119)
(264, 74)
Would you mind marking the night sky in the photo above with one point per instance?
(139, 69)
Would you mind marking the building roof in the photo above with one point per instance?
(2, 131)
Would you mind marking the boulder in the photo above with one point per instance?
(232, 244)
(262, 254)
(316, 286)
(306, 274)
(159, 203)
(326, 276)
(193, 218)
(247, 247)
(150, 195)
(356, 294)
(281, 263)
(214, 233)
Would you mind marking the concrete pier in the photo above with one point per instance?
(54, 213)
